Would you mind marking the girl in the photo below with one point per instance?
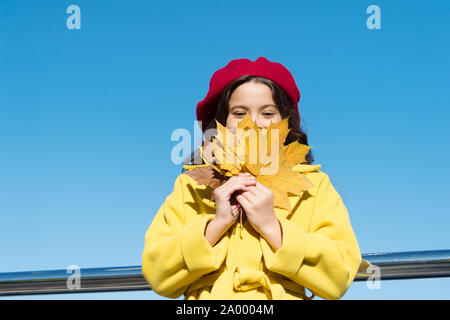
(196, 248)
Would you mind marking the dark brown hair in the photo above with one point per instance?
(283, 102)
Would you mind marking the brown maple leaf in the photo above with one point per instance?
(206, 175)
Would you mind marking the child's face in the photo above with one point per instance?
(255, 99)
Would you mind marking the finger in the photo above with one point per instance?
(245, 177)
(231, 182)
(253, 190)
(250, 197)
(229, 190)
(259, 191)
(262, 188)
(245, 204)
(242, 177)
(235, 209)
(244, 174)
(242, 180)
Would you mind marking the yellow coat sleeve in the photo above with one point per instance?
(176, 252)
(324, 258)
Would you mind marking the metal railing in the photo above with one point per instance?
(386, 266)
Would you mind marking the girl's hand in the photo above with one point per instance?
(227, 208)
(257, 203)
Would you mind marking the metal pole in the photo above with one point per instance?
(389, 266)
(406, 265)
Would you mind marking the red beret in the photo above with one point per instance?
(236, 68)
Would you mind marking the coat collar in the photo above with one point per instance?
(293, 199)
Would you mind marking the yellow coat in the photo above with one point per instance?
(319, 249)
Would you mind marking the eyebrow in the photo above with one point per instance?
(243, 106)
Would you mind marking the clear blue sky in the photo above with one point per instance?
(86, 118)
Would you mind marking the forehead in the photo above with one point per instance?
(251, 91)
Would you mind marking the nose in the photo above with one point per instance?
(260, 122)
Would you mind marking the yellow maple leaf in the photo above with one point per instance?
(262, 153)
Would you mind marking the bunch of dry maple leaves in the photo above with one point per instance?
(259, 151)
